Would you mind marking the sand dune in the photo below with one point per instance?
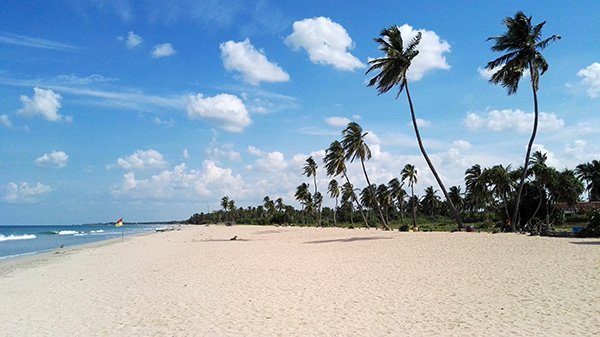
(283, 281)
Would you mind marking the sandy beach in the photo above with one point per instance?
(284, 281)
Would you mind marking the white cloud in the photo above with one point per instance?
(24, 193)
(337, 121)
(142, 159)
(161, 122)
(325, 41)
(251, 63)
(421, 123)
(163, 50)
(461, 144)
(181, 182)
(45, 103)
(431, 52)
(215, 151)
(34, 42)
(54, 159)
(5, 121)
(132, 40)
(502, 120)
(228, 111)
(185, 154)
(267, 161)
(591, 79)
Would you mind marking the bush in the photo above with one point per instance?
(593, 228)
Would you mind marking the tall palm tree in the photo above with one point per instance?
(456, 197)
(334, 192)
(500, 181)
(409, 173)
(430, 201)
(225, 204)
(335, 164)
(523, 44)
(590, 173)
(354, 145)
(384, 197)
(393, 68)
(397, 193)
(279, 205)
(231, 209)
(348, 196)
(310, 170)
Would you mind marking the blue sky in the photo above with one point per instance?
(152, 110)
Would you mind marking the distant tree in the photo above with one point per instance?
(334, 192)
(409, 173)
(335, 165)
(430, 201)
(354, 145)
(455, 194)
(310, 170)
(523, 43)
(304, 197)
(398, 194)
(590, 173)
(393, 68)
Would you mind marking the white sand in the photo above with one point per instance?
(308, 282)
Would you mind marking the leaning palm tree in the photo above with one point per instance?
(334, 192)
(397, 193)
(304, 197)
(409, 173)
(354, 145)
(335, 164)
(523, 44)
(393, 68)
(310, 170)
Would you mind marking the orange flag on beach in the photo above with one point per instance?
(119, 223)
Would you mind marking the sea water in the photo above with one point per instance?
(26, 240)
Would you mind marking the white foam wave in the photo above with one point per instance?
(68, 232)
(17, 237)
(98, 231)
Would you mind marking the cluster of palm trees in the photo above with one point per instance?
(518, 196)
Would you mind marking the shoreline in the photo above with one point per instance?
(306, 281)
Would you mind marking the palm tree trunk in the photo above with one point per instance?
(373, 196)
(318, 209)
(529, 146)
(453, 210)
(334, 213)
(414, 207)
(356, 201)
(401, 212)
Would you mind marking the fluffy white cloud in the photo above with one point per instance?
(337, 121)
(431, 52)
(185, 154)
(210, 181)
(5, 121)
(163, 50)
(215, 151)
(24, 193)
(132, 40)
(228, 111)
(501, 120)
(421, 123)
(461, 144)
(591, 79)
(142, 159)
(251, 63)
(55, 159)
(267, 161)
(325, 41)
(45, 103)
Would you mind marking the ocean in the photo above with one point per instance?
(27, 240)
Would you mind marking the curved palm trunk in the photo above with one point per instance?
(401, 212)
(335, 212)
(373, 196)
(529, 146)
(356, 201)
(453, 210)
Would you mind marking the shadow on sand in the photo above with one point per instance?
(590, 243)
(364, 238)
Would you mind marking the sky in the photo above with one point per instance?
(155, 110)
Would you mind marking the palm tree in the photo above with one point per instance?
(279, 205)
(397, 193)
(590, 173)
(354, 145)
(231, 208)
(430, 201)
(335, 164)
(225, 204)
(304, 198)
(456, 197)
(334, 192)
(477, 191)
(348, 196)
(523, 44)
(393, 68)
(384, 197)
(500, 180)
(269, 205)
(310, 170)
(409, 173)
